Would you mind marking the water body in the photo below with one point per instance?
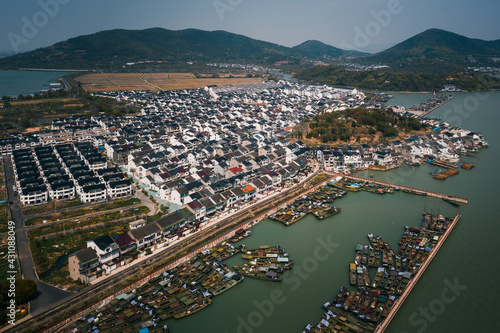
(467, 260)
(13, 83)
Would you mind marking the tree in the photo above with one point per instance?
(25, 290)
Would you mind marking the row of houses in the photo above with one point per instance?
(66, 171)
(106, 253)
(101, 257)
(445, 143)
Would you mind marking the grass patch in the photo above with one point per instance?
(61, 279)
(319, 178)
(83, 211)
(4, 264)
(71, 226)
(51, 207)
(4, 218)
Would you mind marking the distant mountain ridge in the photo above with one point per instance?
(431, 51)
(114, 48)
(436, 44)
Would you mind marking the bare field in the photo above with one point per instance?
(40, 101)
(155, 81)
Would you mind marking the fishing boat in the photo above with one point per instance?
(452, 202)
(352, 274)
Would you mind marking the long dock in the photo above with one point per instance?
(415, 190)
(399, 302)
(422, 113)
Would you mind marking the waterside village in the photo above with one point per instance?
(201, 154)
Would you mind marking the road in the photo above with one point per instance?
(46, 295)
(145, 200)
(65, 83)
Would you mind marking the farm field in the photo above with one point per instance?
(155, 81)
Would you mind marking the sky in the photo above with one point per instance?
(369, 25)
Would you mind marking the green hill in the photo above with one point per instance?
(435, 46)
(318, 50)
(112, 49)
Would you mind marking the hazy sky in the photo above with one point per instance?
(362, 24)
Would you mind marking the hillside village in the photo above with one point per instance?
(200, 153)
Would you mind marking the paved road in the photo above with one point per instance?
(66, 84)
(47, 295)
(145, 200)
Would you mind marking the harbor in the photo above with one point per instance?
(317, 203)
(265, 263)
(176, 293)
(421, 110)
(384, 215)
(377, 300)
(184, 290)
(383, 326)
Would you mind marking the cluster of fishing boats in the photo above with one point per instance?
(179, 292)
(381, 276)
(317, 202)
(265, 263)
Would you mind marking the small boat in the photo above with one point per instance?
(452, 202)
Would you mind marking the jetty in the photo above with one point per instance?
(399, 302)
(376, 301)
(430, 105)
(407, 188)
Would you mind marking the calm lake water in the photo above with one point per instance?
(13, 83)
(467, 260)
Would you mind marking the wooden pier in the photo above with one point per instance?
(415, 190)
(399, 302)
